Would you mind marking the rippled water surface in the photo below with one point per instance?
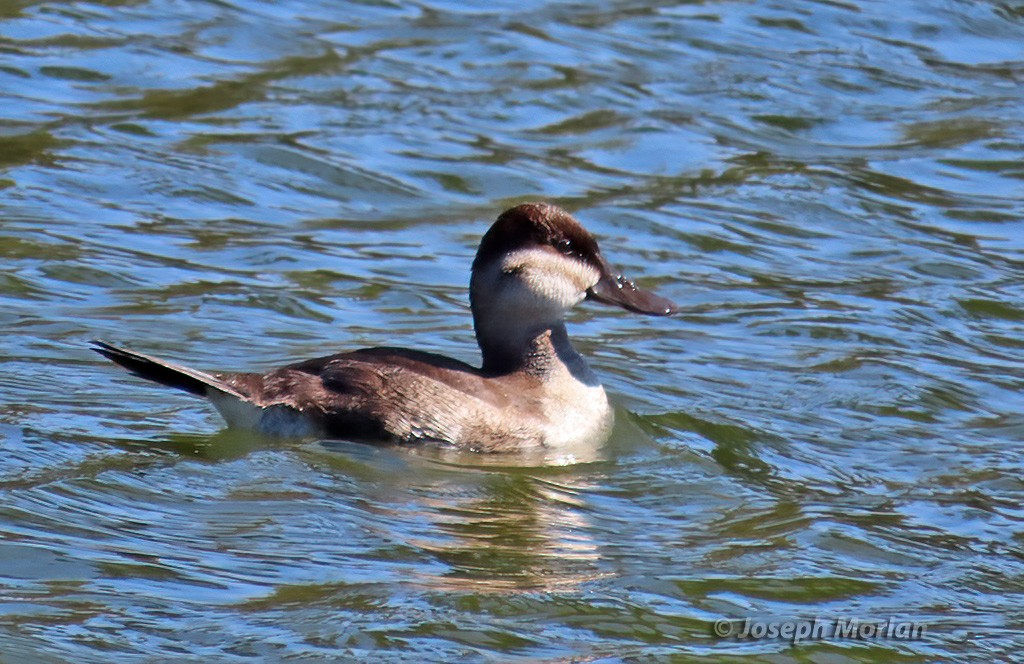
(834, 192)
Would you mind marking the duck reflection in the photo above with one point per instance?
(496, 523)
(514, 531)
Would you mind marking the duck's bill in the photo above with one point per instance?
(617, 290)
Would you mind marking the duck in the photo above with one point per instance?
(532, 389)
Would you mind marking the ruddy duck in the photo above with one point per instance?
(533, 388)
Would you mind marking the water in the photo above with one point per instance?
(832, 191)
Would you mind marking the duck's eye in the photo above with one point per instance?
(565, 246)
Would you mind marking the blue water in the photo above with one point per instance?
(832, 428)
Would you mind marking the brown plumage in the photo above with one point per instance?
(534, 263)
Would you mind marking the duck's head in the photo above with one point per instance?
(534, 264)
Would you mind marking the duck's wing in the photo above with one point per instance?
(374, 395)
(394, 394)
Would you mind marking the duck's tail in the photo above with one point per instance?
(166, 373)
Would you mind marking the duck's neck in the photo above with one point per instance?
(543, 351)
(521, 328)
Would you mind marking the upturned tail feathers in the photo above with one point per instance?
(165, 373)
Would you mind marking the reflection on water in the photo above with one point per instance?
(517, 535)
(831, 428)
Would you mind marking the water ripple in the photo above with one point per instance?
(831, 191)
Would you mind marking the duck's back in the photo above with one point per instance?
(399, 395)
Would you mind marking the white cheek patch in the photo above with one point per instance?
(554, 276)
